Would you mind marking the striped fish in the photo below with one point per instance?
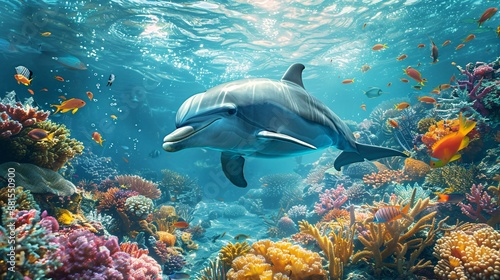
(388, 214)
(24, 71)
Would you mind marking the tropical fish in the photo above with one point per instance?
(373, 92)
(363, 106)
(389, 84)
(402, 105)
(450, 198)
(417, 87)
(97, 138)
(421, 46)
(46, 34)
(215, 237)
(469, 38)
(206, 120)
(90, 95)
(404, 80)
(378, 47)
(436, 91)
(31, 91)
(414, 74)
(460, 46)
(365, 68)
(39, 134)
(434, 52)
(181, 224)
(59, 78)
(111, 79)
(393, 123)
(364, 25)
(179, 275)
(452, 78)
(445, 43)
(401, 57)
(72, 105)
(498, 31)
(445, 149)
(62, 97)
(426, 99)
(114, 117)
(486, 15)
(444, 86)
(348, 81)
(70, 62)
(241, 236)
(388, 214)
(24, 75)
(44, 89)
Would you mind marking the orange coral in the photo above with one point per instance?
(469, 252)
(268, 260)
(166, 237)
(381, 178)
(438, 130)
(138, 184)
(336, 214)
(416, 169)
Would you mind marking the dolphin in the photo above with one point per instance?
(264, 118)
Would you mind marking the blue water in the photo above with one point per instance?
(163, 52)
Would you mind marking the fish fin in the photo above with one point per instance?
(232, 165)
(294, 74)
(74, 110)
(57, 108)
(65, 110)
(455, 157)
(283, 137)
(365, 151)
(465, 143)
(465, 125)
(406, 209)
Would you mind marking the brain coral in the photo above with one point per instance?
(416, 169)
(139, 206)
(470, 252)
(283, 260)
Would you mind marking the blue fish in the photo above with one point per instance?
(179, 275)
(265, 118)
(373, 92)
(70, 62)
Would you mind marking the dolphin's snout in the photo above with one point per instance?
(179, 134)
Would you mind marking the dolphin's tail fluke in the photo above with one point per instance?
(368, 152)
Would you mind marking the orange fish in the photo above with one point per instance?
(62, 97)
(125, 159)
(421, 46)
(363, 106)
(460, 46)
(469, 38)
(114, 117)
(44, 89)
(39, 134)
(414, 74)
(446, 43)
(97, 138)
(90, 95)
(450, 198)
(181, 224)
(22, 79)
(426, 99)
(59, 78)
(444, 86)
(445, 149)
(348, 81)
(31, 91)
(46, 34)
(436, 91)
(487, 15)
(378, 47)
(387, 214)
(72, 105)
(392, 123)
(453, 78)
(402, 105)
(404, 80)
(401, 57)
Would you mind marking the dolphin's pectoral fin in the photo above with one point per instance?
(232, 165)
(294, 74)
(346, 158)
(283, 137)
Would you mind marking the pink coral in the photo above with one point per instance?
(480, 201)
(329, 199)
(15, 116)
(482, 70)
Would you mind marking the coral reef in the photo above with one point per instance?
(231, 251)
(180, 188)
(379, 179)
(24, 200)
(453, 178)
(329, 199)
(169, 257)
(297, 212)
(359, 169)
(39, 180)
(139, 206)
(416, 169)
(480, 203)
(279, 188)
(277, 259)
(47, 154)
(140, 185)
(89, 165)
(470, 251)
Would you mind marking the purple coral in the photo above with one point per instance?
(479, 201)
(329, 199)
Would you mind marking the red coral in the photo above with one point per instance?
(133, 250)
(381, 178)
(14, 117)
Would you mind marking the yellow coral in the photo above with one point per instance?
(471, 251)
(439, 130)
(273, 260)
(166, 237)
(231, 251)
(416, 169)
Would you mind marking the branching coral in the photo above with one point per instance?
(24, 200)
(453, 178)
(471, 251)
(269, 259)
(382, 241)
(180, 188)
(140, 185)
(231, 251)
(329, 199)
(480, 203)
(15, 116)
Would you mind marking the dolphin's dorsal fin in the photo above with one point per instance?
(232, 165)
(294, 74)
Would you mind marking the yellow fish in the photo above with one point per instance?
(72, 105)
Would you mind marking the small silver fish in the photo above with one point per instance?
(111, 80)
(373, 92)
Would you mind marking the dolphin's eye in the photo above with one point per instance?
(231, 111)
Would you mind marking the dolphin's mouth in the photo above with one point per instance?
(181, 134)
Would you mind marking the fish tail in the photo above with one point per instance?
(465, 125)
(57, 106)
